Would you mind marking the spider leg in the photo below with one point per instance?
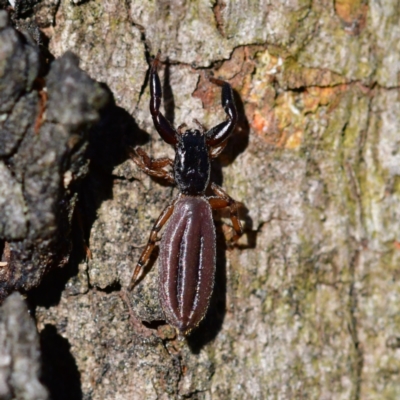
(151, 166)
(222, 200)
(164, 128)
(181, 127)
(221, 132)
(217, 150)
(144, 258)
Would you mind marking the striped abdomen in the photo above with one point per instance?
(187, 263)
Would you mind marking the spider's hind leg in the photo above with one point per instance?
(222, 200)
(144, 258)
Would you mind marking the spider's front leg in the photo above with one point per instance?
(164, 128)
(151, 166)
(218, 134)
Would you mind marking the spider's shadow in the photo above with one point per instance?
(109, 145)
(212, 324)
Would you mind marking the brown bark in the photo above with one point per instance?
(307, 305)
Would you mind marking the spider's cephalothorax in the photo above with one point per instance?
(188, 249)
(192, 163)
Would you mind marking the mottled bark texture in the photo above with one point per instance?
(307, 306)
(19, 353)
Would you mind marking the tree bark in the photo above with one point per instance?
(306, 306)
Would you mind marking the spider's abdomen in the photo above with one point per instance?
(192, 163)
(187, 263)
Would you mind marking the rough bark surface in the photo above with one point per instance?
(307, 306)
(42, 147)
(19, 353)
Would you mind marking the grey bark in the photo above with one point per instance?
(307, 305)
(19, 353)
(42, 156)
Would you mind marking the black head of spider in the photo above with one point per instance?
(192, 163)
